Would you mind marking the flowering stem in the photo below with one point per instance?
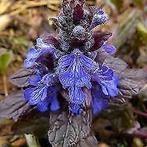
(5, 85)
(32, 141)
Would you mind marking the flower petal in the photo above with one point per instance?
(100, 17)
(66, 78)
(42, 106)
(76, 95)
(49, 79)
(88, 63)
(34, 79)
(82, 78)
(103, 74)
(110, 49)
(36, 94)
(54, 104)
(65, 61)
(108, 81)
(31, 57)
(75, 75)
(99, 100)
(99, 105)
(75, 108)
(110, 87)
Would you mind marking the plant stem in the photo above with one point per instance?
(5, 84)
(32, 141)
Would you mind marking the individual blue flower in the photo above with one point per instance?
(100, 17)
(39, 72)
(36, 94)
(110, 49)
(36, 55)
(42, 93)
(74, 74)
(108, 81)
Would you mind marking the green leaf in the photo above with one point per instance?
(5, 60)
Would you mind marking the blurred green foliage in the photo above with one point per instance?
(5, 59)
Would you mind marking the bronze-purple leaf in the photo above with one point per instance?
(33, 122)
(75, 42)
(78, 13)
(50, 39)
(20, 78)
(131, 81)
(116, 64)
(22, 117)
(71, 130)
(99, 39)
(13, 106)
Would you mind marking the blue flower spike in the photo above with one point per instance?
(73, 68)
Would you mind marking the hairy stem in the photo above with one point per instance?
(5, 85)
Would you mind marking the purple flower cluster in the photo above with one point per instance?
(66, 62)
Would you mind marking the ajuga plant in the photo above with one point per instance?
(73, 75)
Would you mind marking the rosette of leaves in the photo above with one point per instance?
(72, 75)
